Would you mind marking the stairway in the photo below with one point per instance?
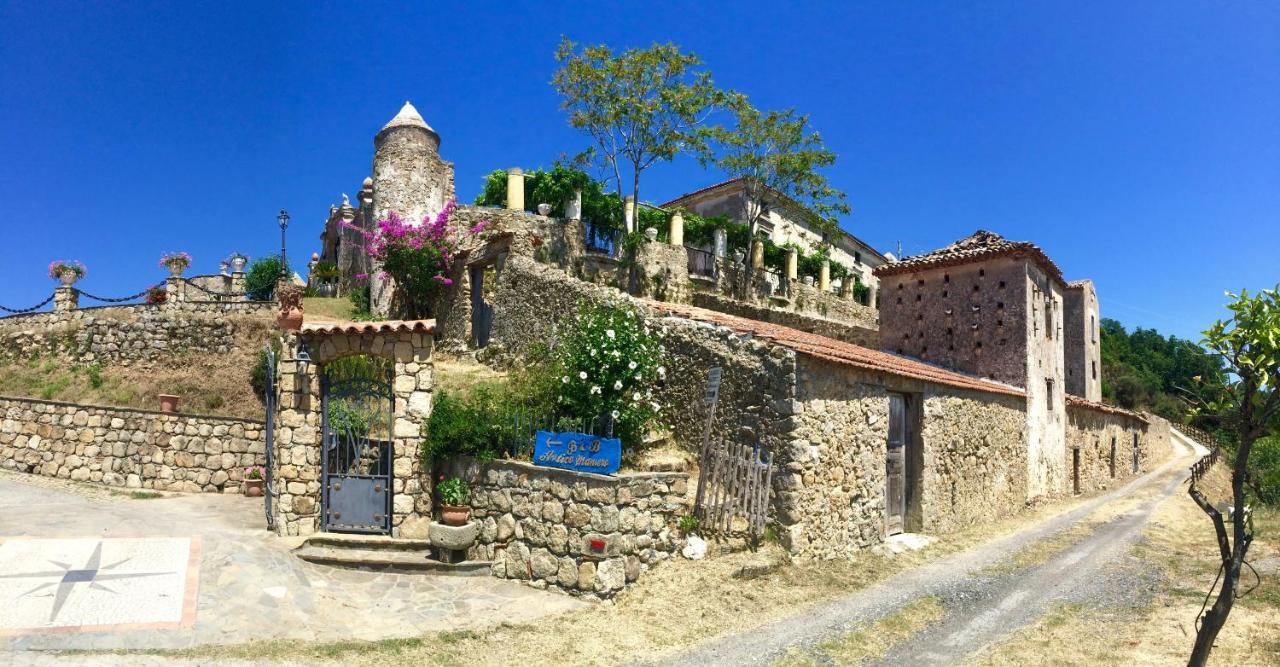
(382, 553)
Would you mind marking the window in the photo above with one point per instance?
(857, 258)
(1048, 385)
(1094, 364)
(1048, 316)
(1093, 329)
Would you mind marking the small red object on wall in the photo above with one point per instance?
(597, 545)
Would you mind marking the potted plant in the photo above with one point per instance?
(454, 494)
(254, 479)
(544, 209)
(237, 261)
(169, 402)
(66, 271)
(176, 262)
(290, 297)
(323, 275)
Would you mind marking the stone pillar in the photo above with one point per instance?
(721, 242)
(296, 500)
(675, 235)
(793, 261)
(237, 282)
(573, 206)
(846, 287)
(515, 189)
(173, 290)
(824, 276)
(629, 213)
(757, 254)
(65, 298)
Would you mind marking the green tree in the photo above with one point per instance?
(779, 158)
(640, 107)
(1248, 342)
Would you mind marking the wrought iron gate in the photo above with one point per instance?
(356, 453)
(270, 400)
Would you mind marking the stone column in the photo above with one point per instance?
(515, 189)
(824, 276)
(173, 290)
(297, 440)
(675, 235)
(65, 299)
(757, 254)
(721, 242)
(793, 260)
(573, 206)
(846, 287)
(237, 282)
(629, 213)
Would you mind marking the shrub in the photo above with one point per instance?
(453, 491)
(261, 278)
(157, 295)
(258, 376)
(608, 365)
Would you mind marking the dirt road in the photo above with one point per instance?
(986, 594)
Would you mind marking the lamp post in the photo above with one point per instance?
(284, 224)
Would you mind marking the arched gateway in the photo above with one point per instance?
(347, 442)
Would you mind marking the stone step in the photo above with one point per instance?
(392, 560)
(367, 542)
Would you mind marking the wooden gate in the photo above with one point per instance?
(734, 482)
(896, 466)
(1075, 470)
(481, 310)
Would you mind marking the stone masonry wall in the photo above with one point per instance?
(135, 333)
(121, 447)
(537, 524)
(1106, 444)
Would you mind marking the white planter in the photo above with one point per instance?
(651, 234)
(544, 209)
(69, 278)
(237, 264)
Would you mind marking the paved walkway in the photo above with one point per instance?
(982, 605)
(85, 568)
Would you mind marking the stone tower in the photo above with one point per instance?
(993, 308)
(1080, 340)
(409, 178)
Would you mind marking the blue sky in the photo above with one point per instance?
(1138, 143)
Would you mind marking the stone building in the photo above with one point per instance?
(784, 222)
(1080, 338)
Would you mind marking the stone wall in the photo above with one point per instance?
(866, 334)
(538, 524)
(137, 449)
(830, 487)
(137, 333)
(1107, 441)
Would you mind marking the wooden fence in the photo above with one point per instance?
(734, 482)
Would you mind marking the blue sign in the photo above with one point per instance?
(578, 451)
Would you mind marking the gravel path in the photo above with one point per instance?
(981, 605)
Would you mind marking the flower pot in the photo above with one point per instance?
(169, 402)
(455, 515)
(290, 319)
(237, 265)
(68, 278)
(544, 209)
(253, 487)
(327, 289)
(651, 234)
(176, 270)
(222, 268)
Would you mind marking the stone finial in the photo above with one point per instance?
(515, 189)
(675, 235)
(408, 117)
(346, 202)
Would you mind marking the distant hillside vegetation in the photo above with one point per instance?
(1144, 370)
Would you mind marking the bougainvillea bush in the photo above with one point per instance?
(609, 364)
(419, 258)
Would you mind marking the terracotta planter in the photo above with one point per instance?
(253, 488)
(290, 320)
(455, 515)
(169, 402)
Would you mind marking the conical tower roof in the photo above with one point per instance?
(408, 117)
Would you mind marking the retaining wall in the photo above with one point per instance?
(137, 449)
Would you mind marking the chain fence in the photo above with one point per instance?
(23, 311)
(122, 299)
(220, 295)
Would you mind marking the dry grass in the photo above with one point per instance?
(461, 374)
(1181, 543)
(872, 640)
(321, 309)
(209, 383)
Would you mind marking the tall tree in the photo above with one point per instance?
(779, 158)
(1249, 344)
(640, 107)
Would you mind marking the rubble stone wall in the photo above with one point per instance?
(1107, 443)
(137, 449)
(538, 524)
(136, 333)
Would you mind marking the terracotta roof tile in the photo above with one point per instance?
(384, 326)
(978, 246)
(1081, 402)
(836, 351)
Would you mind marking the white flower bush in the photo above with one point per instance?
(617, 359)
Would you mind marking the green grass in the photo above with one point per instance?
(336, 308)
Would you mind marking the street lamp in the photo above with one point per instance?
(284, 224)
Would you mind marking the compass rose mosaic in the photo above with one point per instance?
(97, 584)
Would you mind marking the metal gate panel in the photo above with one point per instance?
(357, 453)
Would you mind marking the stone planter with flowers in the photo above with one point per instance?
(67, 271)
(176, 262)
